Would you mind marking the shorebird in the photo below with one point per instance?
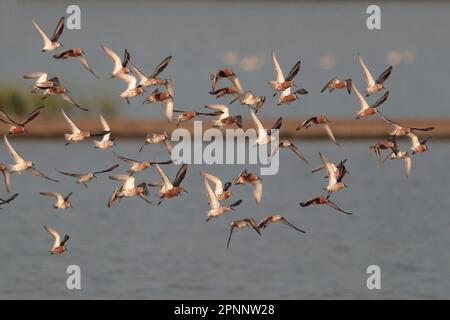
(52, 43)
(228, 74)
(77, 135)
(52, 87)
(247, 177)
(58, 245)
(336, 83)
(120, 67)
(240, 224)
(221, 191)
(41, 80)
(155, 138)
(224, 119)
(216, 208)
(61, 202)
(264, 136)
(373, 86)
(417, 145)
(288, 98)
(323, 200)
(335, 175)
(169, 189)
(84, 178)
(388, 143)
(247, 98)
(133, 89)
(128, 189)
(6, 176)
(80, 55)
(21, 164)
(287, 143)
(165, 97)
(184, 116)
(399, 154)
(16, 127)
(221, 92)
(152, 79)
(367, 110)
(399, 130)
(5, 201)
(263, 223)
(137, 166)
(281, 83)
(106, 141)
(321, 121)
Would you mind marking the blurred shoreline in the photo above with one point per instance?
(343, 128)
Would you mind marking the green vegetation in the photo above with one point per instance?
(20, 101)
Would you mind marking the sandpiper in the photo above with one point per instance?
(323, 200)
(84, 178)
(155, 138)
(240, 224)
(321, 121)
(21, 164)
(52, 87)
(247, 177)
(365, 109)
(79, 54)
(61, 202)
(216, 208)
(263, 223)
(222, 191)
(106, 141)
(224, 119)
(336, 83)
(77, 135)
(170, 189)
(373, 86)
(120, 67)
(151, 80)
(58, 245)
(6, 176)
(52, 43)
(137, 166)
(264, 136)
(16, 127)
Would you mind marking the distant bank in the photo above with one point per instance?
(343, 128)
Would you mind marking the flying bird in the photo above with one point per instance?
(137, 166)
(151, 80)
(5, 201)
(373, 86)
(275, 218)
(287, 144)
(240, 224)
(16, 127)
(216, 208)
(6, 176)
(323, 200)
(52, 87)
(106, 141)
(52, 43)
(367, 110)
(128, 189)
(58, 245)
(336, 83)
(320, 121)
(170, 189)
(222, 191)
(247, 177)
(120, 66)
(21, 164)
(84, 178)
(155, 138)
(76, 134)
(224, 118)
(80, 55)
(60, 201)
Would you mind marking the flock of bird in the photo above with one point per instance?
(285, 91)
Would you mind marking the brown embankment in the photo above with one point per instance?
(343, 128)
